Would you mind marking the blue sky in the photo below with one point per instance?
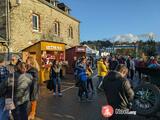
(107, 18)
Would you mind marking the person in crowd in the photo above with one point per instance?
(89, 77)
(22, 87)
(106, 63)
(55, 76)
(61, 69)
(91, 59)
(102, 70)
(4, 75)
(154, 64)
(132, 68)
(32, 69)
(118, 90)
(74, 65)
(82, 77)
(14, 61)
(149, 60)
(113, 63)
(141, 64)
(120, 59)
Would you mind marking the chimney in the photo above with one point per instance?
(54, 2)
(64, 7)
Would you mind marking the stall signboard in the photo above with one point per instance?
(80, 49)
(52, 46)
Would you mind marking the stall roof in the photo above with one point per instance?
(76, 47)
(42, 41)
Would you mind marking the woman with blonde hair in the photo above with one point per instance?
(33, 68)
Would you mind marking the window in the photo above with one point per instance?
(35, 22)
(57, 28)
(70, 32)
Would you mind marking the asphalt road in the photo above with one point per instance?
(69, 108)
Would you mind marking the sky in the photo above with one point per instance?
(111, 18)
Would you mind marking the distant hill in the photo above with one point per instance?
(148, 47)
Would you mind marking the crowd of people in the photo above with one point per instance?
(19, 82)
(112, 79)
(19, 87)
(116, 75)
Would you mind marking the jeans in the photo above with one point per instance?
(4, 115)
(83, 89)
(20, 113)
(100, 79)
(56, 82)
(89, 82)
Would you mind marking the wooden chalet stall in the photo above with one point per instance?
(77, 51)
(45, 52)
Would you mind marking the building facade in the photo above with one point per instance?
(29, 21)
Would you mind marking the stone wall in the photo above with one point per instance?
(22, 34)
(2, 19)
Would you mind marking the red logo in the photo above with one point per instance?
(107, 111)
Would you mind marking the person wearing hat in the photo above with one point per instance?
(4, 74)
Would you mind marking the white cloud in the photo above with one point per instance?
(127, 37)
(133, 38)
(148, 35)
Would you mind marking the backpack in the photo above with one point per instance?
(82, 76)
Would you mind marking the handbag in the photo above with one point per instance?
(50, 85)
(9, 104)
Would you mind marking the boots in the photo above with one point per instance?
(33, 110)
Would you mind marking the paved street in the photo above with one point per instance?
(68, 107)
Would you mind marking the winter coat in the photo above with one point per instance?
(54, 72)
(22, 86)
(81, 73)
(34, 90)
(118, 90)
(102, 69)
(132, 65)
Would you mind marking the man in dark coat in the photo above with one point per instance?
(118, 89)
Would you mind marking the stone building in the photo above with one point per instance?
(24, 22)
